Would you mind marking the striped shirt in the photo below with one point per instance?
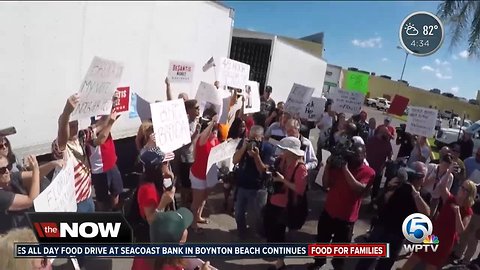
(83, 180)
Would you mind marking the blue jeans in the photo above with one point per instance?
(380, 235)
(251, 199)
(86, 206)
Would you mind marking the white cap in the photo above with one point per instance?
(358, 139)
(291, 144)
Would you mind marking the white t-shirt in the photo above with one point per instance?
(425, 152)
(432, 172)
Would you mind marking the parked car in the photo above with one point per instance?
(383, 104)
(448, 136)
(370, 102)
(446, 114)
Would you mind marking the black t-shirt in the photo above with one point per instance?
(400, 205)
(267, 106)
(12, 219)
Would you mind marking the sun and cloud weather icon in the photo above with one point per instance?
(410, 29)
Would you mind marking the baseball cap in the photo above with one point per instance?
(268, 89)
(292, 145)
(152, 158)
(168, 227)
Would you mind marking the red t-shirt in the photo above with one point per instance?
(249, 122)
(199, 167)
(390, 129)
(102, 157)
(377, 152)
(342, 203)
(147, 197)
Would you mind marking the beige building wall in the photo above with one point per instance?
(379, 87)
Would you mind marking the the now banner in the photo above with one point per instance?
(298, 250)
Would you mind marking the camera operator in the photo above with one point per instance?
(253, 157)
(404, 201)
(289, 176)
(348, 181)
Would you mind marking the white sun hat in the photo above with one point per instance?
(292, 145)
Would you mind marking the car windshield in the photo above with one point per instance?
(473, 128)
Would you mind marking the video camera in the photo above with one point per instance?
(271, 186)
(341, 152)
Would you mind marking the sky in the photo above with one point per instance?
(365, 35)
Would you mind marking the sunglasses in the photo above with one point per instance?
(3, 145)
(4, 170)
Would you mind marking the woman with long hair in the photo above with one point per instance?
(202, 181)
(452, 220)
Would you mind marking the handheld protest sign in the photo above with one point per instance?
(398, 106)
(8, 131)
(421, 121)
(170, 124)
(346, 101)
(357, 82)
(180, 72)
(97, 88)
(298, 98)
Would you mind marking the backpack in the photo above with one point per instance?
(140, 227)
(297, 207)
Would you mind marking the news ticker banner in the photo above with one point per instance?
(377, 250)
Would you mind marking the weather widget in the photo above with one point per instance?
(421, 33)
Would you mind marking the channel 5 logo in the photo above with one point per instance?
(80, 227)
(417, 229)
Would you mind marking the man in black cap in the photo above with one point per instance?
(267, 105)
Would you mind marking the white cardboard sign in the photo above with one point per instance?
(346, 101)
(59, 196)
(252, 97)
(314, 109)
(233, 73)
(222, 151)
(298, 98)
(170, 124)
(180, 72)
(421, 121)
(97, 89)
(208, 96)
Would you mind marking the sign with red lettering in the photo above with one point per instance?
(180, 72)
(122, 101)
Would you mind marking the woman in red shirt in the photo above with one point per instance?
(201, 180)
(452, 220)
(291, 176)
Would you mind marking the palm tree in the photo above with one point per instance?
(462, 17)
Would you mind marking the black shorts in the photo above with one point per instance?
(184, 174)
(107, 184)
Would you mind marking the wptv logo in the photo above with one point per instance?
(417, 229)
(80, 227)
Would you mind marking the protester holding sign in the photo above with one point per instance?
(69, 145)
(293, 130)
(106, 177)
(324, 125)
(421, 151)
(186, 152)
(201, 181)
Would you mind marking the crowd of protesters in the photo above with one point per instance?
(266, 185)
